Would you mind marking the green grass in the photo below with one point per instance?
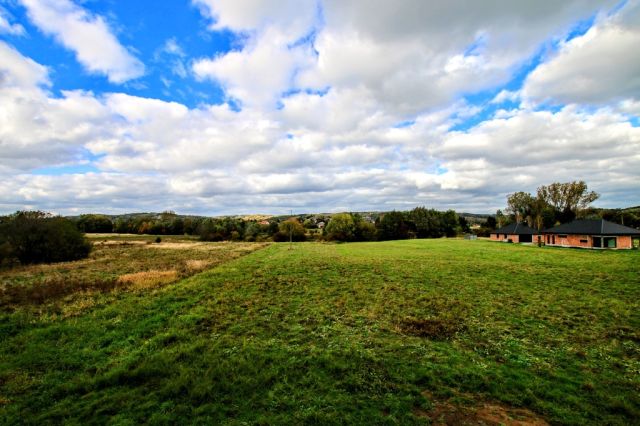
(362, 333)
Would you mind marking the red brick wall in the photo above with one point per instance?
(500, 237)
(623, 242)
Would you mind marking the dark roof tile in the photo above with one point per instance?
(592, 227)
(516, 229)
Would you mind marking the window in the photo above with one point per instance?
(562, 236)
(609, 242)
(597, 242)
(584, 241)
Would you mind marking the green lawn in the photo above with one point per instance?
(361, 333)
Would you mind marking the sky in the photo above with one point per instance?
(218, 107)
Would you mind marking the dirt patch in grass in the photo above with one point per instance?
(484, 413)
(432, 328)
(435, 318)
(120, 243)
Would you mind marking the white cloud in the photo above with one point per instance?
(530, 148)
(601, 66)
(88, 35)
(368, 126)
(172, 47)
(7, 27)
(292, 17)
(417, 55)
(265, 67)
(410, 55)
(506, 95)
(19, 71)
(260, 72)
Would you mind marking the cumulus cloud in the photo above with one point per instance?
(17, 71)
(292, 17)
(529, 148)
(273, 51)
(416, 55)
(88, 35)
(601, 66)
(354, 111)
(259, 73)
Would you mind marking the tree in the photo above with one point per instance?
(38, 237)
(393, 226)
(365, 231)
(450, 223)
(501, 219)
(490, 223)
(427, 223)
(341, 227)
(290, 227)
(251, 231)
(520, 205)
(93, 223)
(567, 199)
(464, 224)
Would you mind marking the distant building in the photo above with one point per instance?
(592, 233)
(516, 233)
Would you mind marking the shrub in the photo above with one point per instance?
(37, 237)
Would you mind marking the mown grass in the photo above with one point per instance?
(357, 333)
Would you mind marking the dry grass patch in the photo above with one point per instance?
(183, 246)
(148, 279)
(114, 265)
(195, 265)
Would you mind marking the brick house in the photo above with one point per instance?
(516, 233)
(592, 233)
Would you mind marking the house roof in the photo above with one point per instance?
(516, 229)
(592, 227)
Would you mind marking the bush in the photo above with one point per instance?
(37, 237)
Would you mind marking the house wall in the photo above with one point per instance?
(623, 241)
(501, 237)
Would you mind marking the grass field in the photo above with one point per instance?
(406, 332)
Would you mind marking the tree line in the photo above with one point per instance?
(417, 223)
